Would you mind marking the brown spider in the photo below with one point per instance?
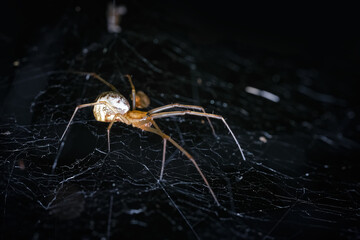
(113, 107)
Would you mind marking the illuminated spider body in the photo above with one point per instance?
(113, 107)
(119, 105)
(119, 110)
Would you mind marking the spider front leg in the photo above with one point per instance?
(168, 138)
(188, 112)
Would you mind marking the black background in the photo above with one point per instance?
(311, 133)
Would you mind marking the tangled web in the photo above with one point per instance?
(298, 179)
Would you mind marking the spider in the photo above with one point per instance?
(113, 107)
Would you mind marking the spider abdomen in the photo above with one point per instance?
(117, 104)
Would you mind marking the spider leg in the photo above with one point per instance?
(166, 137)
(188, 112)
(110, 125)
(133, 95)
(108, 133)
(84, 106)
(163, 159)
(178, 105)
(133, 92)
(94, 75)
(164, 149)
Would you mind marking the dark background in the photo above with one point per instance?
(325, 32)
(323, 36)
(302, 183)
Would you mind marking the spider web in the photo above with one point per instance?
(299, 178)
